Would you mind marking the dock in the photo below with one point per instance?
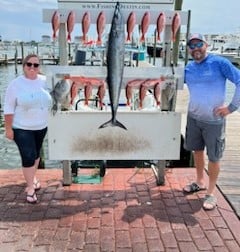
(125, 210)
(12, 60)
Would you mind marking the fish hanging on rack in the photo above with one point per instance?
(131, 21)
(88, 83)
(154, 84)
(101, 22)
(115, 65)
(145, 25)
(55, 23)
(161, 22)
(61, 95)
(70, 24)
(176, 22)
(86, 21)
(133, 84)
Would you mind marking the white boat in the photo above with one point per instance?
(226, 47)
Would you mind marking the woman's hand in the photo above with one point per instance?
(9, 134)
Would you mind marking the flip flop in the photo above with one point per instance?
(32, 199)
(211, 201)
(192, 188)
(37, 185)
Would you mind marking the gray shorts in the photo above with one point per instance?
(200, 135)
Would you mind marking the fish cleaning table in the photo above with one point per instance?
(150, 135)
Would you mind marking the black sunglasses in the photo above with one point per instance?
(29, 64)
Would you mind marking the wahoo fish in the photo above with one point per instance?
(70, 24)
(61, 94)
(115, 64)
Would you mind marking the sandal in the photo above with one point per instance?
(192, 188)
(209, 202)
(32, 199)
(37, 185)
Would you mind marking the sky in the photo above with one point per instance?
(22, 20)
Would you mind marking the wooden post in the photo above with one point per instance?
(63, 54)
(178, 6)
(22, 50)
(15, 59)
(188, 31)
(67, 172)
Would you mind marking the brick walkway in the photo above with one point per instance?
(125, 212)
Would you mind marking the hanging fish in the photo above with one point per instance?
(130, 25)
(61, 94)
(145, 25)
(101, 22)
(161, 22)
(115, 65)
(70, 24)
(176, 22)
(86, 21)
(55, 23)
(130, 86)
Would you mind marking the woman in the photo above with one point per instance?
(25, 112)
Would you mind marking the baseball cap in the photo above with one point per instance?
(196, 36)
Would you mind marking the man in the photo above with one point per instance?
(206, 78)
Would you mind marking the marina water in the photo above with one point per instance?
(8, 151)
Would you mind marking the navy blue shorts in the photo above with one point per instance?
(29, 143)
(200, 135)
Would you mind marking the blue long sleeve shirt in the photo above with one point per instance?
(206, 82)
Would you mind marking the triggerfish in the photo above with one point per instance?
(61, 94)
(115, 64)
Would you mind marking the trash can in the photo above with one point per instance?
(80, 57)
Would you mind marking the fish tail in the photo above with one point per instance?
(69, 37)
(142, 38)
(112, 123)
(99, 40)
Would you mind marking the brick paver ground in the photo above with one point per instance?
(127, 211)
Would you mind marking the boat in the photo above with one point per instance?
(227, 47)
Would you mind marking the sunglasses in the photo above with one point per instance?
(196, 45)
(35, 65)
